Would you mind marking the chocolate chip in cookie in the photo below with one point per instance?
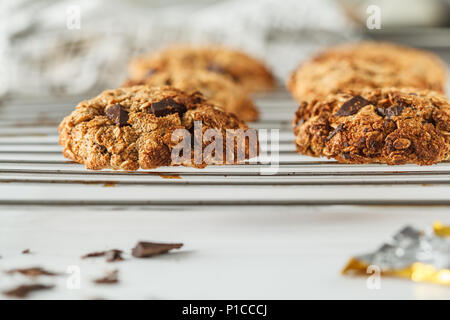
(391, 111)
(150, 72)
(217, 68)
(333, 133)
(214, 67)
(118, 114)
(352, 106)
(394, 111)
(166, 106)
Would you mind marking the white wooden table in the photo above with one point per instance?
(246, 235)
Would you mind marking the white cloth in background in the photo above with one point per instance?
(43, 52)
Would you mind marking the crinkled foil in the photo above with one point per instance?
(418, 255)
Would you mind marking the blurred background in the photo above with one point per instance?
(80, 47)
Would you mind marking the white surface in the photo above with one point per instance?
(229, 253)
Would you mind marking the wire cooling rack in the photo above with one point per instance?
(33, 170)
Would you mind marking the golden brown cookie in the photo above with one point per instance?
(249, 73)
(143, 126)
(219, 90)
(366, 65)
(393, 126)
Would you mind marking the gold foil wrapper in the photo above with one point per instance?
(412, 254)
(441, 230)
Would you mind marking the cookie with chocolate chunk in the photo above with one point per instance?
(366, 65)
(248, 72)
(142, 127)
(219, 90)
(390, 125)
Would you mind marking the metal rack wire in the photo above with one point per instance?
(33, 170)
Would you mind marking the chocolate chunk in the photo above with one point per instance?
(118, 114)
(197, 97)
(166, 106)
(26, 251)
(361, 143)
(431, 120)
(338, 129)
(380, 112)
(110, 278)
(23, 290)
(101, 149)
(373, 143)
(114, 255)
(217, 68)
(393, 111)
(149, 249)
(390, 112)
(352, 106)
(32, 272)
(346, 155)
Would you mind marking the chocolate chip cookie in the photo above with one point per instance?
(366, 65)
(390, 125)
(147, 127)
(219, 90)
(249, 73)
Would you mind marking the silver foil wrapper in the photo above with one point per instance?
(415, 254)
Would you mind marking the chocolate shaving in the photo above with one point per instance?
(352, 106)
(335, 131)
(26, 251)
(111, 277)
(111, 255)
(114, 255)
(32, 272)
(166, 106)
(23, 290)
(118, 114)
(149, 249)
(94, 254)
